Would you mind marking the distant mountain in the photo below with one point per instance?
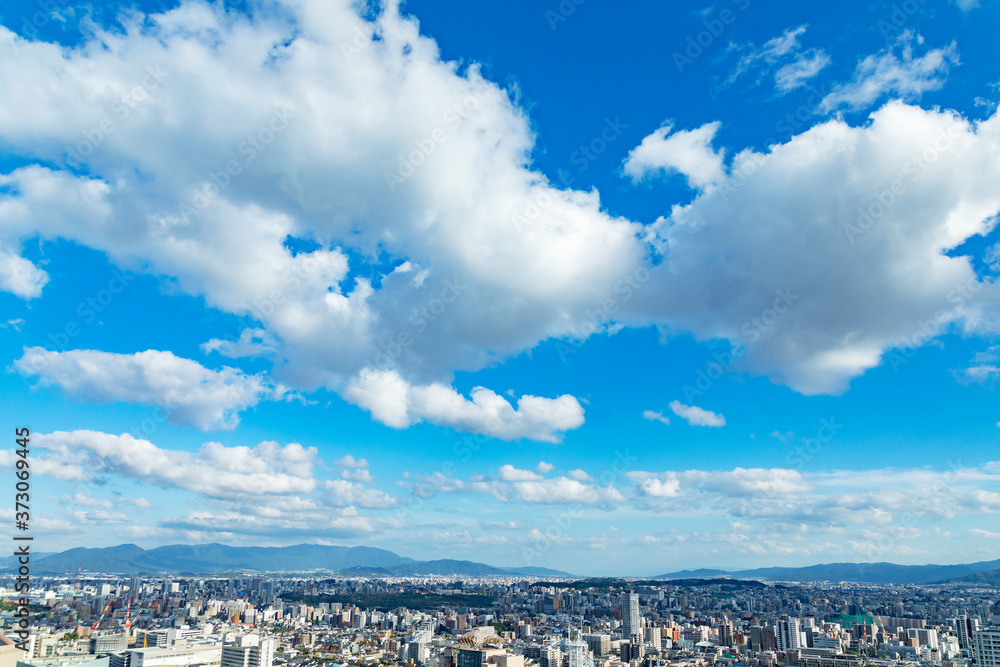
(991, 578)
(219, 558)
(871, 573)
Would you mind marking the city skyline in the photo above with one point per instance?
(610, 290)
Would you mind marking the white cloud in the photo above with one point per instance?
(215, 470)
(979, 532)
(688, 152)
(82, 497)
(795, 74)
(348, 461)
(560, 490)
(696, 416)
(509, 473)
(20, 277)
(396, 403)
(526, 486)
(795, 65)
(659, 488)
(358, 475)
(654, 416)
(544, 468)
(343, 493)
(186, 392)
(885, 73)
(795, 258)
(330, 126)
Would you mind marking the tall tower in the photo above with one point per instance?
(631, 621)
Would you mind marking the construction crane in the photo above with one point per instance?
(128, 616)
(101, 619)
(79, 570)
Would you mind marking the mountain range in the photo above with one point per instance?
(375, 562)
(870, 573)
(218, 558)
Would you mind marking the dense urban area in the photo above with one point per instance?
(267, 621)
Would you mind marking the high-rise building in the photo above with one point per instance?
(926, 637)
(786, 634)
(965, 627)
(986, 647)
(726, 634)
(134, 588)
(631, 620)
(599, 645)
(550, 656)
(248, 651)
(762, 639)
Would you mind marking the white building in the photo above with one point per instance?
(986, 646)
(787, 634)
(248, 651)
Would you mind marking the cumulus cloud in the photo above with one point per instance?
(387, 150)
(544, 468)
(687, 152)
(396, 403)
(343, 493)
(886, 73)
(20, 277)
(696, 416)
(509, 473)
(659, 488)
(215, 470)
(186, 392)
(400, 152)
(358, 475)
(348, 461)
(796, 260)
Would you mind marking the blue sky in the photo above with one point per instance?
(617, 290)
